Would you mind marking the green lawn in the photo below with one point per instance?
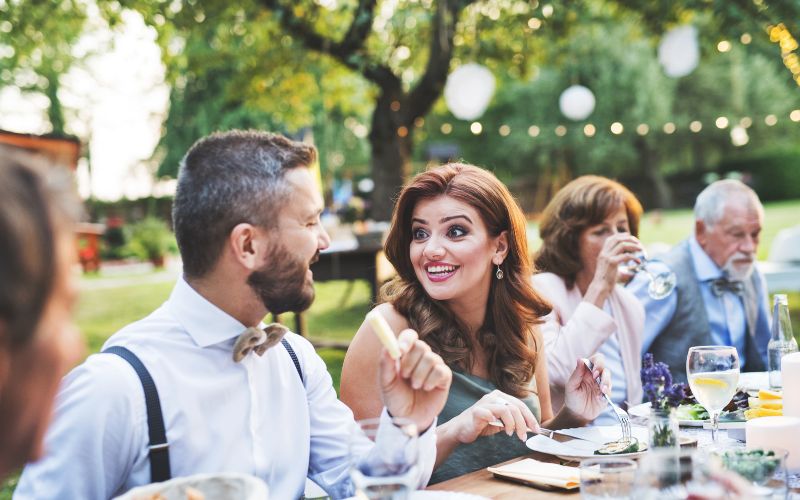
(675, 225)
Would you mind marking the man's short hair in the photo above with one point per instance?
(228, 178)
(710, 204)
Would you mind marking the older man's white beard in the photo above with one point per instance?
(739, 271)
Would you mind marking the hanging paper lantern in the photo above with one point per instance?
(739, 136)
(468, 91)
(576, 102)
(679, 51)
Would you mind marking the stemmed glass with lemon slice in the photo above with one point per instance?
(713, 373)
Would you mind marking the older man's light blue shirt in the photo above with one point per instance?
(726, 313)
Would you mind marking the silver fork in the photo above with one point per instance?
(622, 415)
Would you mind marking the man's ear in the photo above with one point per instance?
(501, 248)
(245, 242)
(700, 232)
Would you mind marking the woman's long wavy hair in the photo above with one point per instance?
(514, 308)
(584, 202)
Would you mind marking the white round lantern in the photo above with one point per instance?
(576, 102)
(468, 91)
(679, 51)
(739, 136)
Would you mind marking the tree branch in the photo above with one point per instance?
(431, 85)
(350, 51)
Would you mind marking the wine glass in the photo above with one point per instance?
(713, 373)
(389, 471)
(661, 284)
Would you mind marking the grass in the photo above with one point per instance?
(675, 225)
(339, 310)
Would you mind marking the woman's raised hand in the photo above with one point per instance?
(582, 395)
(616, 250)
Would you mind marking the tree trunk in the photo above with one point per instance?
(662, 193)
(391, 153)
(55, 112)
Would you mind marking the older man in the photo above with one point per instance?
(232, 399)
(720, 297)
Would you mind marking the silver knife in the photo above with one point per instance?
(547, 433)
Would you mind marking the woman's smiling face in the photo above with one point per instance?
(451, 249)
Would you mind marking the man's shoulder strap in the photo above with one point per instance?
(296, 361)
(158, 446)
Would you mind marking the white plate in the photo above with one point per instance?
(643, 411)
(578, 449)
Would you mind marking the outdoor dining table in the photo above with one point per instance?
(482, 482)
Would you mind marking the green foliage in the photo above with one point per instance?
(151, 239)
(775, 173)
(37, 46)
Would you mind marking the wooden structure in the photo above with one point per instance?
(59, 152)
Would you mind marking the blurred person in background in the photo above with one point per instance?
(38, 340)
(720, 297)
(588, 229)
(459, 246)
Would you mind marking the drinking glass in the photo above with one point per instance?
(713, 373)
(765, 469)
(607, 478)
(661, 284)
(387, 471)
(673, 474)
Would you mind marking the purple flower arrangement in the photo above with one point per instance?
(658, 387)
(663, 396)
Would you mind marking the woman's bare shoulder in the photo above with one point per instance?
(397, 321)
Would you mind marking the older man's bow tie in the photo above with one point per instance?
(722, 285)
(257, 340)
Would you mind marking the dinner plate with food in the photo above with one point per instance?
(592, 442)
(741, 407)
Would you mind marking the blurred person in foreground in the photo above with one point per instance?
(246, 217)
(720, 297)
(588, 229)
(38, 340)
(458, 243)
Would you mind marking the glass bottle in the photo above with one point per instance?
(782, 341)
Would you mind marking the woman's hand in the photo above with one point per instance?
(616, 250)
(495, 406)
(582, 395)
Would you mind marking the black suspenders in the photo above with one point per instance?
(158, 446)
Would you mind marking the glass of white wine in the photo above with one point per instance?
(713, 373)
(661, 284)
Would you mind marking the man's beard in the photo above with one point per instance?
(281, 283)
(739, 271)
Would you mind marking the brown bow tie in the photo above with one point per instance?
(257, 340)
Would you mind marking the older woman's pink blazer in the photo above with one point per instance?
(576, 329)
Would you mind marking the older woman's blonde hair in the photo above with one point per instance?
(584, 202)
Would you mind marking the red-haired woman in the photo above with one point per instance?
(458, 244)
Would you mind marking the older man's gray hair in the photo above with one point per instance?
(712, 202)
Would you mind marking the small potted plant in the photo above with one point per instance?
(151, 240)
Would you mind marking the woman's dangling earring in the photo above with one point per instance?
(499, 274)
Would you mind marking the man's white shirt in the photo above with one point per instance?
(256, 417)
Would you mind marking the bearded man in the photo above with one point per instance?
(222, 392)
(720, 297)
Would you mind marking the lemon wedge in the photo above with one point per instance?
(765, 394)
(709, 381)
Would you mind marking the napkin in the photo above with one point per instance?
(539, 473)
